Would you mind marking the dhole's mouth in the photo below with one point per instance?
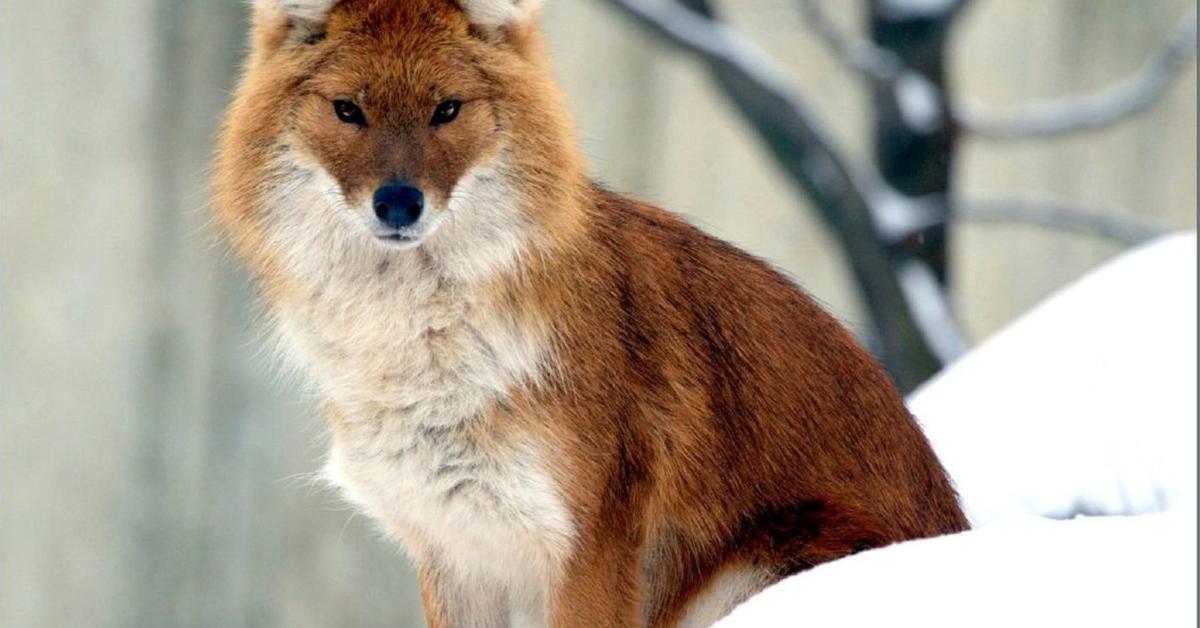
(408, 237)
(398, 237)
(399, 240)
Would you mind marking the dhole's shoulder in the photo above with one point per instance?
(636, 227)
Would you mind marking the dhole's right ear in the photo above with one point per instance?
(503, 20)
(277, 22)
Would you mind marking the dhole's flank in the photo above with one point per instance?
(572, 409)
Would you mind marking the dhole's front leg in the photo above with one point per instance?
(599, 589)
(452, 604)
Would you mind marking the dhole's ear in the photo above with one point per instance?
(296, 20)
(502, 18)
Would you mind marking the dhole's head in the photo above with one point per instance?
(395, 124)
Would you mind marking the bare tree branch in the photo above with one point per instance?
(932, 310)
(843, 196)
(918, 99)
(914, 138)
(860, 53)
(1127, 98)
(857, 53)
(922, 9)
(1112, 104)
(1118, 226)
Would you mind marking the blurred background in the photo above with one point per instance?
(155, 468)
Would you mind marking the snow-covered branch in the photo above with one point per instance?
(932, 311)
(863, 55)
(1127, 98)
(857, 53)
(1124, 99)
(917, 97)
(903, 10)
(1118, 226)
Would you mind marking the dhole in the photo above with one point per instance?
(573, 409)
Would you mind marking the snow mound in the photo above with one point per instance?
(1096, 571)
(1087, 404)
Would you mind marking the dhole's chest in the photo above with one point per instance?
(415, 368)
(487, 517)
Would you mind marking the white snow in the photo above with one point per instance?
(1087, 404)
(915, 9)
(918, 101)
(1094, 572)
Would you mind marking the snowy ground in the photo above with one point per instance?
(1085, 406)
(1096, 571)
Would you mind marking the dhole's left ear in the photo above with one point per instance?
(502, 18)
(276, 20)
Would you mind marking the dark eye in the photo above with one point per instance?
(446, 112)
(349, 112)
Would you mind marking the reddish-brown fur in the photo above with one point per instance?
(705, 413)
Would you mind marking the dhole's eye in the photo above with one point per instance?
(446, 112)
(349, 112)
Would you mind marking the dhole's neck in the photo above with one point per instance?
(550, 172)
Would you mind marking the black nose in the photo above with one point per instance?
(398, 205)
